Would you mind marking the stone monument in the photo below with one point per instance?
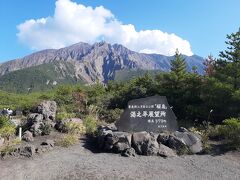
(151, 114)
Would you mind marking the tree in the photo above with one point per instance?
(228, 66)
(209, 65)
(178, 65)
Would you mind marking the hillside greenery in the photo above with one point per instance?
(39, 78)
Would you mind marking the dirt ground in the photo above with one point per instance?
(79, 162)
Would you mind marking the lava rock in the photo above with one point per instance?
(27, 136)
(144, 143)
(193, 141)
(165, 151)
(27, 150)
(129, 152)
(48, 109)
(48, 142)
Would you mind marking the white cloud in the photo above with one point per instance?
(72, 23)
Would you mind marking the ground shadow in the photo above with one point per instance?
(90, 143)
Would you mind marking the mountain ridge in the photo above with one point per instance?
(98, 62)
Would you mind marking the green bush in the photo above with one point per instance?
(9, 147)
(64, 115)
(7, 129)
(4, 121)
(90, 122)
(46, 129)
(230, 131)
(111, 115)
(75, 128)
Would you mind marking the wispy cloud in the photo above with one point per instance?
(72, 23)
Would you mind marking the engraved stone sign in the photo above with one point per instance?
(151, 114)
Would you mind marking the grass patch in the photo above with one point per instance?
(67, 140)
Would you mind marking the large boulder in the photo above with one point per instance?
(182, 141)
(165, 151)
(114, 141)
(163, 138)
(193, 141)
(34, 123)
(27, 136)
(48, 109)
(145, 143)
(122, 141)
(177, 144)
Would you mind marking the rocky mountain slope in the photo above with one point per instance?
(97, 62)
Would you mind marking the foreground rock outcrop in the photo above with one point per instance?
(40, 120)
(148, 144)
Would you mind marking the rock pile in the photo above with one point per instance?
(148, 144)
(37, 121)
(29, 150)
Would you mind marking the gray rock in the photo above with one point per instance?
(36, 128)
(192, 140)
(145, 144)
(43, 148)
(182, 129)
(118, 141)
(48, 109)
(176, 143)
(129, 152)
(113, 141)
(16, 121)
(112, 127)
(163, 138)
(48, 142)
(35, 117)
(36, 123)
(27, 136)
(165, 151)
(24, 150)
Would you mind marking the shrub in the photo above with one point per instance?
(4, 121)
(75, 128)
(90, 122)
(9, 147)
(7, 129)
(46, 129)
(112, 115)
(230, 131)
(67, 140)
(64, 115)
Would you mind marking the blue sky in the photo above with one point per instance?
(201, 24)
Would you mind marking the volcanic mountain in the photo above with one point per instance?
(84, 63)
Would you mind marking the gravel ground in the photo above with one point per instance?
(78, 162)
